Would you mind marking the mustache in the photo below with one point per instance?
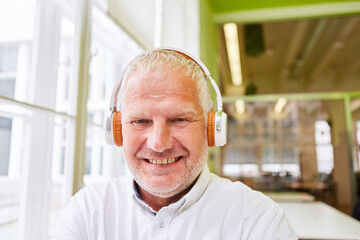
(168, 153)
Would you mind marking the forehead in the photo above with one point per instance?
(155, 83)
(158, 91)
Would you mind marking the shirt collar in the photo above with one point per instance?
(198, 189)
(137, 198)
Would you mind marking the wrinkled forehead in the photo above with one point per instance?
(162, 62)
(161, 76)
(158, 82)
(159, 86)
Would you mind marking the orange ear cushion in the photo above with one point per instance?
(211, 128)
(117, 129)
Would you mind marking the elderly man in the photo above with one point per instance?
(163, 128)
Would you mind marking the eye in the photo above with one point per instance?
(140, 123)
(180, 119)
(180, 122)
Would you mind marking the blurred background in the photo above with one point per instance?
(289, 74)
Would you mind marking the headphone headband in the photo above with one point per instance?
(219, 106)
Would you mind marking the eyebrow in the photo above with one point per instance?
(185, 111)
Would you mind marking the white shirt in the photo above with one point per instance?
(215, 208)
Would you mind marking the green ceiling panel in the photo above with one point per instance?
(222, 6)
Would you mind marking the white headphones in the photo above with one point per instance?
(217, 119)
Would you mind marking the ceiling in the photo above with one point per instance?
(222, 6)
(315, 55)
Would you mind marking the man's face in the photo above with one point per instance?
(164, 132)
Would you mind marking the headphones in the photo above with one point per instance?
(217, 119)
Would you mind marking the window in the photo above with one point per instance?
(5, 136)
(38, 101)
(240, 161)
(261, 146)
(8, 65)
(324, 148)
(16, 26)
(357, 145)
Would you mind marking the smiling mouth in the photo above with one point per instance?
(162, 161)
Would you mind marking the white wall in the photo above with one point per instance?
(179, 22)
(136, 17)
(181, 25)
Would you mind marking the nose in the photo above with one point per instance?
(160, 137)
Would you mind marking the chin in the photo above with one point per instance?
(163, 191)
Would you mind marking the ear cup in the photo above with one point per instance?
(117, 129)
(211, 128)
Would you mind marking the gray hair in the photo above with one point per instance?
(170, 61)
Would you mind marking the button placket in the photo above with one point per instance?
(161, 224)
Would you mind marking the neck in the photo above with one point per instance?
(156, 202)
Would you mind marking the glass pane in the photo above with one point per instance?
(357, 147)
(288, 130)
(240, 170)
(8, 67)
(324, 148)
(268, 130)
(355, 108)
(61, 159)
(270, 154)
(250, 130)
(12, 156)
(322, 132)
(9, 188)
(65, 84)
(16, 27)
(63, 137)
(290, 155)
(5, 138)
(8, 59)
(274, 141)
(7, 86)
(325, 158)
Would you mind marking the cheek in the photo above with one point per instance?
(195, 138)
(131, 140)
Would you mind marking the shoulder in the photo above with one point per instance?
(83, 216)
(237, 197)
(96, 193)
(238, 190)
(259, 215)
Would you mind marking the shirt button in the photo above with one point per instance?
(161, 224)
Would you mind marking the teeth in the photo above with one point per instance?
(163, 161)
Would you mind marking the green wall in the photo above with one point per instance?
(208, 55)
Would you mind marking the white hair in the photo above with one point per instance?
(171, 61)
